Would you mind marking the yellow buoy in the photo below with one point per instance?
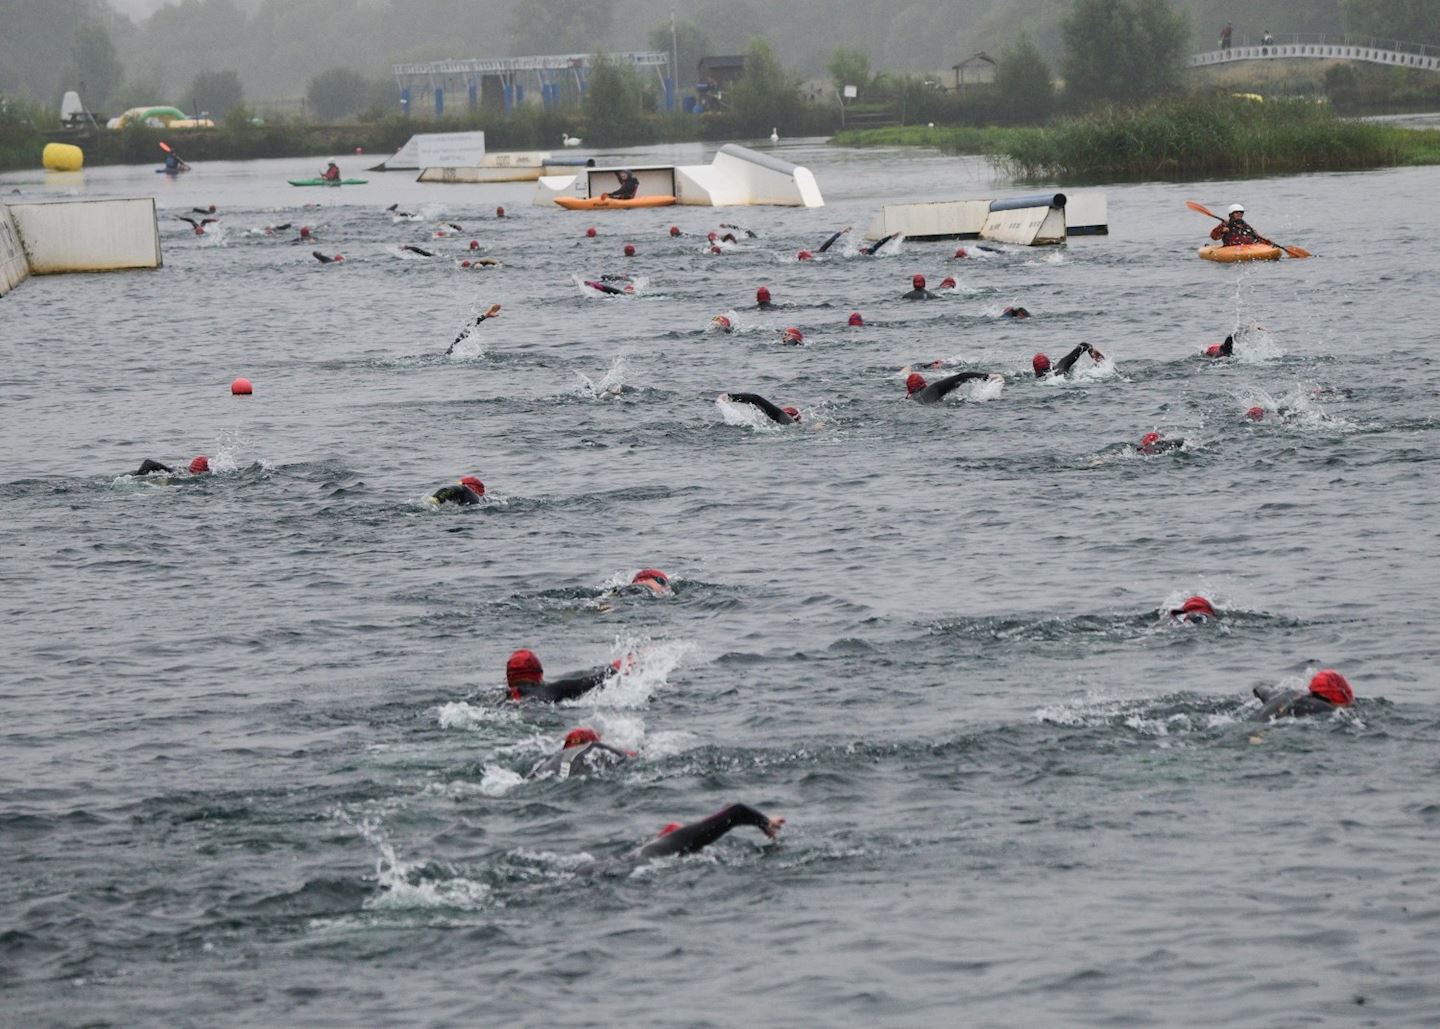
(62, 157)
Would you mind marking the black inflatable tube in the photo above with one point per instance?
(1033, 200)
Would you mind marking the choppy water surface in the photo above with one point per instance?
(255, 770)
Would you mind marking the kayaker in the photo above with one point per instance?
(1234, 231)
(629, 186)
(331, 172)
(777, 414)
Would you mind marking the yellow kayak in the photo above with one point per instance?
(601, 202)
(1243, 252)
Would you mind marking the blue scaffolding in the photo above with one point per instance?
(554, 75)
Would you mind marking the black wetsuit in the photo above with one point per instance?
(465, 333)
(455, 494)
(1289, 704)
(581, 760)
(920, 293)
(417, 250)
(1068, 361)
(772, 412)
(1227, 348)
(831, 241)
(321, 257)
(148, 466)
(937, 390)
(568, 688)
(1161, 446)
(870, 250)
(629, 186)
(749, 233)
(603, 287)
(689, 838)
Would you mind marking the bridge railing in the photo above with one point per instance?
(1398, 53)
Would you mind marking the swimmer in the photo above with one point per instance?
(804, 255)
(778, 415)
(855, 321)
(493, 311)
(605, 287)
(1041, 364)
(687, 839)
(326, 260)
(481, 262)
(1328, 690)
(1017, 313)
(306, 236)
(918, 390)
(874, 248)
(948, 282)
(1195, 611)
(720, 323)
(1226, 349)
(739, 228)
(918, 290)
(793, 337)
(417, 250)
(468, 490)
(199, 226)
(652, 579)
(581, 753)
(199, 465)
(762, 298)
(525, 679)
(270, 230)
(1153, 443)
(831, 241)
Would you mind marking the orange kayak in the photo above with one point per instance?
(1243, 252)
(604, 202)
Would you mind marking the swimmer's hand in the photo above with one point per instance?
(772, 828)
(724, 396)
(494, 310)
(994, 377)
(1096, 356)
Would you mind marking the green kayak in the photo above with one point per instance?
(327, 182)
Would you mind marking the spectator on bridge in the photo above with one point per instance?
(1225, 35)
(1267, 39)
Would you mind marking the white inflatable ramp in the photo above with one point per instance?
(1027, 220)
(78, 236)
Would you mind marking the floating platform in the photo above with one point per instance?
(511, 167)
(1034, 220)
(736, 177)
(435, 150)
(76, 236)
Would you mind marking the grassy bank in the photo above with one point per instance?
(1195, 137)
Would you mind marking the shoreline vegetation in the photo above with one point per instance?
(1193, 137)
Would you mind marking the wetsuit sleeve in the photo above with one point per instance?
(1228, 347)
(147, 466)
(1279, 704)
(937, 390)
(771, 411)
(465, 331)
(879, 243)
(571, 686)
(830, 242)
(1068, 361)
(689, 838)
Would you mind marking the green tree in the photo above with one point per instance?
(614, 103)
(216, 93)
(94, 68)
(764, 96)
(1409, 21)
(337, 93)
(1126, 51)
(849, 66)
(1024, 85)
(692, 44)
(559, 26)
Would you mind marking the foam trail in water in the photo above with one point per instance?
(645, 667)
(747, 415)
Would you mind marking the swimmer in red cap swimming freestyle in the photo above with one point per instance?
(778, 415)
(468, 490)
(1153, 443)
(525, 679)
(198, 466)
(1195, 611)
(1328, 692)
(491, 312)
(652, 580)
(831, 241)
(918, 390)
(1226, 349)
(581, 754)
(687, 839)
(762, 298)
(918, 290)
(1041, 364)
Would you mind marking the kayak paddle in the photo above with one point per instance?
(1296, 252)
(166, 147)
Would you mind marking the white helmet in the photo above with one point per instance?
(1236, 209)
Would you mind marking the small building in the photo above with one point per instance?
(976, 69)
(713, 78)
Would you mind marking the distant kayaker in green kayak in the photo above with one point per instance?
(1235, 231)
(331, 172)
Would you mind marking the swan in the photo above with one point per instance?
(569, 140)
(774, 136)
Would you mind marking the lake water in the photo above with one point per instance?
(256, 768)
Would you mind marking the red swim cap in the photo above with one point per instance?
(338, 257)
(793, 412)
(1149, 439)
(855, 318)
(1196, 605)
(1213, 350)
(474, 244)
(1040, 363)
(580, 737)
(918, 281)
(762, 295)
(721, 321)
(792, 335)
(523, 667)
(1331, 685)
(304, 232)
(1256, 414)
(464, 264)
(948, 282)
(914, 383)
(474, 484)
(499, 212)
(961, 252)
(200, 465)
(711, 237)
(804, 255)
(590, 233)
(674, 230)
(716, 250)
(654, 575)
(668, 828)
(629, 249)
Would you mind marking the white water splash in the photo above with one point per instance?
(499, 780)
(744, 415)
(459, 714)
(611, 384)
(645, 667)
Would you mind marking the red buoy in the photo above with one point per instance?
(241, 387)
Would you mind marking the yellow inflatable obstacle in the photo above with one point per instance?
(62, 157)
